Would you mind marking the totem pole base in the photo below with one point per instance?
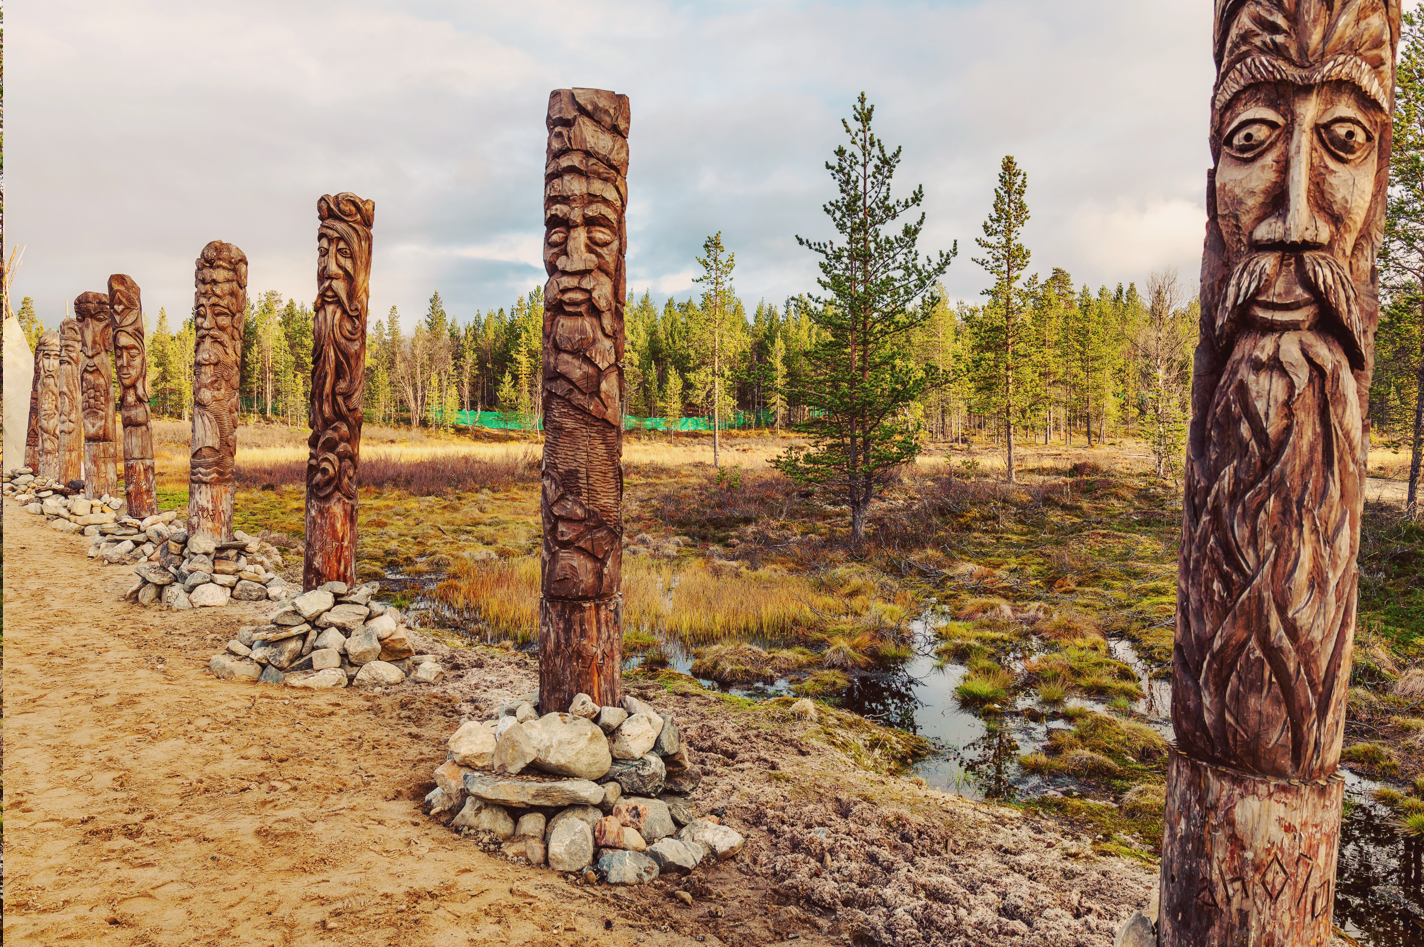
(100, 477)
(577, 641)
(331, 543)
(139, 488)
(1247, 859)
(210, 508)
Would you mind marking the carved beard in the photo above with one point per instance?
(1274, 493)
(338, 378)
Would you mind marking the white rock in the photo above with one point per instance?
(494, 819)
(427, 672)
(238, 648)
(381, 626)
(513, 750)
(332, 639)
(567, 745)
(324, 658)
(472, 745)
(611, 718)
(583, 706)
(636, 736)
(201, 546)
(345, 617)
(379, 672)
(717, 839)
(313, 603)
(530, 824)
(228, 667)
(209, 595)
(363, 647)
(570, 845)
(329, 677)
(467, 816)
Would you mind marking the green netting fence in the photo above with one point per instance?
(500, 420)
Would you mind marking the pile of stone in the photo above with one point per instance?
(328, 637)
(196, 571)
(66, 508)
(612, 815)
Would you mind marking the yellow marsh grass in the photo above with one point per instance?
(704, 606)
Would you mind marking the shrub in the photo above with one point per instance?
(1375, 756)
(983, 690)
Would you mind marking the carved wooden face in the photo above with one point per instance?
(335, 270)
(129, 361)
(216, 327)
(582, 242)
(1297, 170)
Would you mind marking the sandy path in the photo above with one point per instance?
(148, 803)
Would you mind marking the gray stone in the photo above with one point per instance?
(331, 638)
(201, 546)
(198, 564)
(427, 672)
(313, 603)
(1137, 932)
(156, 533)
(586, 814)
(238, 648)
(228, 667)
(718, 840)
(209, 596)
(378, 609)
(525, 793)
(382, 626)
(525, 712)
(379, 672)
(683, 781)
(503, 724)
(334, 587)
(675, 855)
(514, 749)
(635, 706)
(567, 745)
(583, 706)
(627, 868)
(669, 740)
(247, 591)
(344, 617)
(323, 658)
(113, 553)
(636, 737)
(681, 814)
(361, 595)
(278, 632)
(494, 819)
(465, 819)
(228, 582)
(473, 745)
(153, 572)
(658, 823)
(278, 654)
(363, 647)
(180, 599)
(148, 594)
(271, 675)
(309, 643)
(570, 844)
(610, 718)
(288, 616)
(322, 679)
(196, 579)
(530, 824)
(612, 792)
(276, 591)
(641, 777)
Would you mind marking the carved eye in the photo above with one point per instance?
(557, 237)
(1251, 137)
(344, 253)
(601, 236)
(1346, 137)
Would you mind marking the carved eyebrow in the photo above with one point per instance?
(601, 212)
(1263, 69)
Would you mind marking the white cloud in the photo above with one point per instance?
(139, 130)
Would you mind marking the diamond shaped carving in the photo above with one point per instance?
(1275, 878)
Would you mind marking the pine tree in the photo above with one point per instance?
(1402, 254)
(672, 402)
(717, 264)
(1006, 259)
(1162, 348)
(778, 382)
(29, 322)
(859, 380)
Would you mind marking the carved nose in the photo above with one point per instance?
(331, 270)
(575, 259)
(1296, 226)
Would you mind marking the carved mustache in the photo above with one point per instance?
(1321, 273)
(597, 284)
(338, 288)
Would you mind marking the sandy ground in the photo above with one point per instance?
(149, 803)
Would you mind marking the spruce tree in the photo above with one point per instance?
(717, 264)
(1006, 259)
(29, 322)
(859, 377)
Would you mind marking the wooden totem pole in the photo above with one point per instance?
(32, 428)
(131, 363)
(585, 196)
(343, 280)
(1300, 136)
(219, 307)
(45, 405)
(95, 319)
(70, 428)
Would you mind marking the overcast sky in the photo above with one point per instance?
(140, 130)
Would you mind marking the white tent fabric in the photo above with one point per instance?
(19, 373)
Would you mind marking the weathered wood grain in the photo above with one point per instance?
(32, 426)
(131, 365)
(585, 239)
(70, 408)
(48, 378)
(1300, 137)
(91, 311)
(219, 307)
(343, 278)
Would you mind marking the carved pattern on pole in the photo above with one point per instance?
(1300, 136)
(70, 466)
(219, 309)
(32, 427)
(48, 378)
(585, 239)
(91, 311)
(131, 364)
(343, 278)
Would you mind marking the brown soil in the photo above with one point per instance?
(149, 803)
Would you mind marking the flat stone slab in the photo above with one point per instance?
(313, 603)
(524, 793)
